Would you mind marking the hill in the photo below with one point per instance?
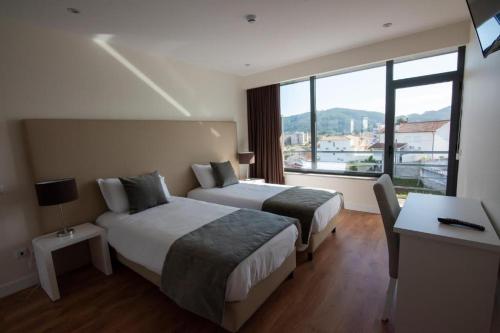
(441, 114)
(337, 121)
(333, 121)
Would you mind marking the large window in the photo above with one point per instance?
(345, 133)
(399, 118)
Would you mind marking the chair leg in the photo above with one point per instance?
(310, 256)
(389, 299)
(334, 230)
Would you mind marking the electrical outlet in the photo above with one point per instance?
(22, 253)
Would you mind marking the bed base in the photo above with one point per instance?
(318, 238)
(235, 313)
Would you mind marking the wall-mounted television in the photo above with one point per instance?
(486, 18)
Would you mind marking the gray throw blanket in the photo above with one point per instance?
(197, 265)
(300, 203)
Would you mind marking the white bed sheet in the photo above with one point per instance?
(146, 237)
(245, 195)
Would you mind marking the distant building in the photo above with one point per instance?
(297, 138)
(425, 136)
(378, 149)
(334, 143)
(343, 148)
(365, 124)
(415, 157)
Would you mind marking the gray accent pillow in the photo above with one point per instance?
(143, 192)
(224, 174)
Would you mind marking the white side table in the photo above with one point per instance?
(43, 247)
(253, 181)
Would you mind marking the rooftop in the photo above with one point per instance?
(419, 126)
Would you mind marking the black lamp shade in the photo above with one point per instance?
(246, 157)
(55, 192)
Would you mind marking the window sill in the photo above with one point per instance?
(330, 175)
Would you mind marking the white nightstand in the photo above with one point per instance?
(253, 181)
(43, 247)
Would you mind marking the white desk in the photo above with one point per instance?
(44, 246)
(447, 274)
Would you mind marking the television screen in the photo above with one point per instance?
(486, 18)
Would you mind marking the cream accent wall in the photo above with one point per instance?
(52, 74)
(479, 168)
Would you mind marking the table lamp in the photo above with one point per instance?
(246, 157)
(57, 192)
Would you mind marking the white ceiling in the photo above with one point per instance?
(215, 35)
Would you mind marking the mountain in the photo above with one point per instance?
(333, 121)
(441, 114)
(337, 121)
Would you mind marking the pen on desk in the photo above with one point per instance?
(450, 221)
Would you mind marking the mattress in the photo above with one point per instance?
(145, 238)
(246, 195)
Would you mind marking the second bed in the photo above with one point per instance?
(254, 195)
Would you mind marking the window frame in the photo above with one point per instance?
(388, 154)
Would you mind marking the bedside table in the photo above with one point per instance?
(253, 181)
(43, 247)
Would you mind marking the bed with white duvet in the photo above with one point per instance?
(145, 238)
(252, 195)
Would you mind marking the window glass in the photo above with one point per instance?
(426, 66)
(422, 138)
(350, 121)
(350, 128)
(296, 125)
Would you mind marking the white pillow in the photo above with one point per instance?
(115, 196)
(164, 187)
(204, 174)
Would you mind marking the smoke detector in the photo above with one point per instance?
(251, 18)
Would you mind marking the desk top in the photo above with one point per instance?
(419, 218)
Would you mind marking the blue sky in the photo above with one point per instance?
(365, 89)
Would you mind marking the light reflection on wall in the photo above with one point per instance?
(215, 132)
(103, 41)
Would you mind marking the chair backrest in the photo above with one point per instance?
(389, 209)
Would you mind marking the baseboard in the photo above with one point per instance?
(13, 287)
(361, 207)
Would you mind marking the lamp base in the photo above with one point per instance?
(65, 232)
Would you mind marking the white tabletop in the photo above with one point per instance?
(51, 242)
(419, 218)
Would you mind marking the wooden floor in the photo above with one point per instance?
(342, 290)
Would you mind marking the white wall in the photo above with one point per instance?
(479, 168)
(52, 74)
(423, 42)
(358, 192)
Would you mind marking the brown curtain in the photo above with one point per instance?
(264, 132)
